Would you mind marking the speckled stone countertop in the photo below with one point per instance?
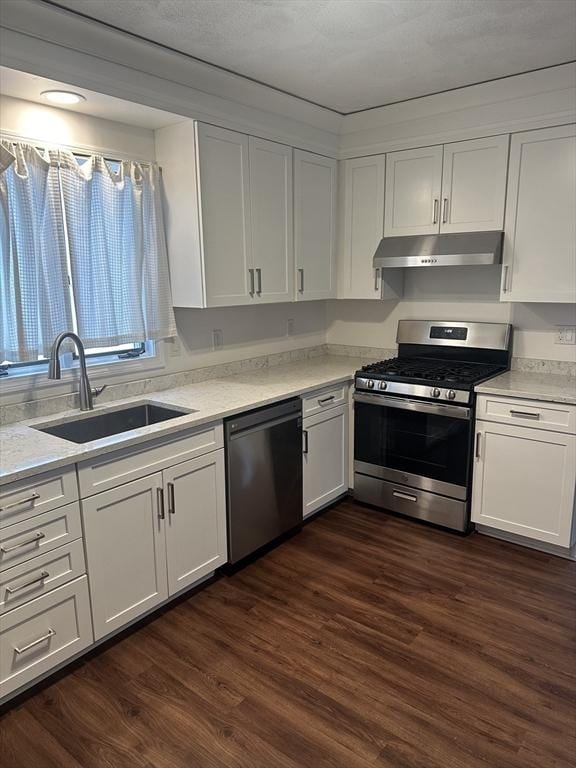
(24, 451)
(549, 387)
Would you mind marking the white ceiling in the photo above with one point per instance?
(22, 85)
(350, 55)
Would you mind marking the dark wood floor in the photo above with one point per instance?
(365, 640)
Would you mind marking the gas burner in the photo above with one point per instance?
(453, 372)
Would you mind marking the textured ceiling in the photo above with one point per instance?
(350, 55)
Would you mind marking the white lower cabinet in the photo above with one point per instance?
(150, 538)
(524, 480)
(195, 519)
(325, 457)
(125, 552)
(42, 634)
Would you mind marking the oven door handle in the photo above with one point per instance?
(438, 409)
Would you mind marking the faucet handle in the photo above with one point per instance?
(98, 390)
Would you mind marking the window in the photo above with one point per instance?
(82, 248)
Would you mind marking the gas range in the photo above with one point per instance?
(428, 377)
(414, 418)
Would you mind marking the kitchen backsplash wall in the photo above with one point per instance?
(453, 293)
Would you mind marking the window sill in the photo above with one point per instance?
(130, 370)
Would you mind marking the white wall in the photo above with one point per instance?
(39, 122)
(452, 293)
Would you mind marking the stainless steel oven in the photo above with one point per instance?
(421, 452)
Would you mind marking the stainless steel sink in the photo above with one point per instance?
(111, 422)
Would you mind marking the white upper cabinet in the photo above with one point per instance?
(314, 225)
(361, 212)
(272, 258)
(540, 240)
(458, 187)
(223, 177)
(228, 216)
(413, 189)
(474, 185)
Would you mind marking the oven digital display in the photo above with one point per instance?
(444, 332)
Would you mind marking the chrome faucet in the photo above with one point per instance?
(87, 393)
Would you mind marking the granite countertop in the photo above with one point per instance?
(25, 451)
(548, 387)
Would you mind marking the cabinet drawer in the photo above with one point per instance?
(43, 633)
(324, 398)
(34, 495)
(43, 533)
(556, 417)
(122, 466)
(41, 574)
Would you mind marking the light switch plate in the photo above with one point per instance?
(566, 334)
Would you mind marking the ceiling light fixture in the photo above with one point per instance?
(63, 97)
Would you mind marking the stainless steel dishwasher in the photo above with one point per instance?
(264, 476)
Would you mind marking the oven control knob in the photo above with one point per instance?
(383, 385)
(370, 384)
(451, 394)
(435, 392)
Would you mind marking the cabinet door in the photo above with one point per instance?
(195, 519)
(524, 481)
(362, 210)
(474, 185)
(223, 177)
(125, 552)
(325, 458)
(413, 184)
(314, 225)
(271, 220)
(540, 237)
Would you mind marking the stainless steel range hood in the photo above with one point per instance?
(448, 250)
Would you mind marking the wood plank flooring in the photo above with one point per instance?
(365, 640)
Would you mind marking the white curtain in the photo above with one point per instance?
(118, 255)
(34, 291)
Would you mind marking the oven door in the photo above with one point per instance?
(416, 443)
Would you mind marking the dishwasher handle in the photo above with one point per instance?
(249, 430)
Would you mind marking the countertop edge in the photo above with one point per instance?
(157, 431)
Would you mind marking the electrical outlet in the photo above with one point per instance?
(217, 338)
(566, 334)
(290, 327)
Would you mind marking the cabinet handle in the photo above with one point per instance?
(160, 495)
(259, 276)
(477, 448)
(171, 501)
(405, 496)
(435, 211)
(43, 575)
(328, 399)
(525, 414)
(27, 500)
(34, 538)
(251, 274)
(305, 436)
(301, 273)
(445, 211)
(377, 279)
(34, 643)
(505, 279)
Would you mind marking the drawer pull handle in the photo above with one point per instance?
(35, 538)
(27, 500)
(171, 500)
(40, 577)
(406, 496)
(34, 643)
(525, 415)
(323, 400)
